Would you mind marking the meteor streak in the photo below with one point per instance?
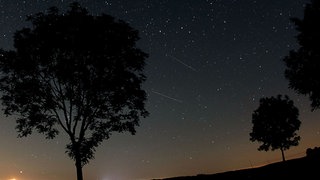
(181, 62)
(168, 97)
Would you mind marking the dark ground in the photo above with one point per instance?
(307, 167)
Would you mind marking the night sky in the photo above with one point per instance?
(210, 61)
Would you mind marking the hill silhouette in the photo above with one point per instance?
(299, 168)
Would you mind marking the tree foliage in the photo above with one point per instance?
(303, 64)
(74, 72)
(275, 123)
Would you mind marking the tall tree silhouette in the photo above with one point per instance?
(303, 65)
(74, 72)
(275, 123)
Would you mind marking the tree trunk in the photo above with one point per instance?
(79, 168)
(282, 153)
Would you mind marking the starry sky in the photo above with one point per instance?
(210, 61)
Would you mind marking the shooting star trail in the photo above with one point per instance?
(168, 97)
(181, 62)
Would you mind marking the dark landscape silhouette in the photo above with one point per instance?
(306, 167)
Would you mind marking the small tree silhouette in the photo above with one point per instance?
(74, 72)
(303, 65)
(275, 123)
